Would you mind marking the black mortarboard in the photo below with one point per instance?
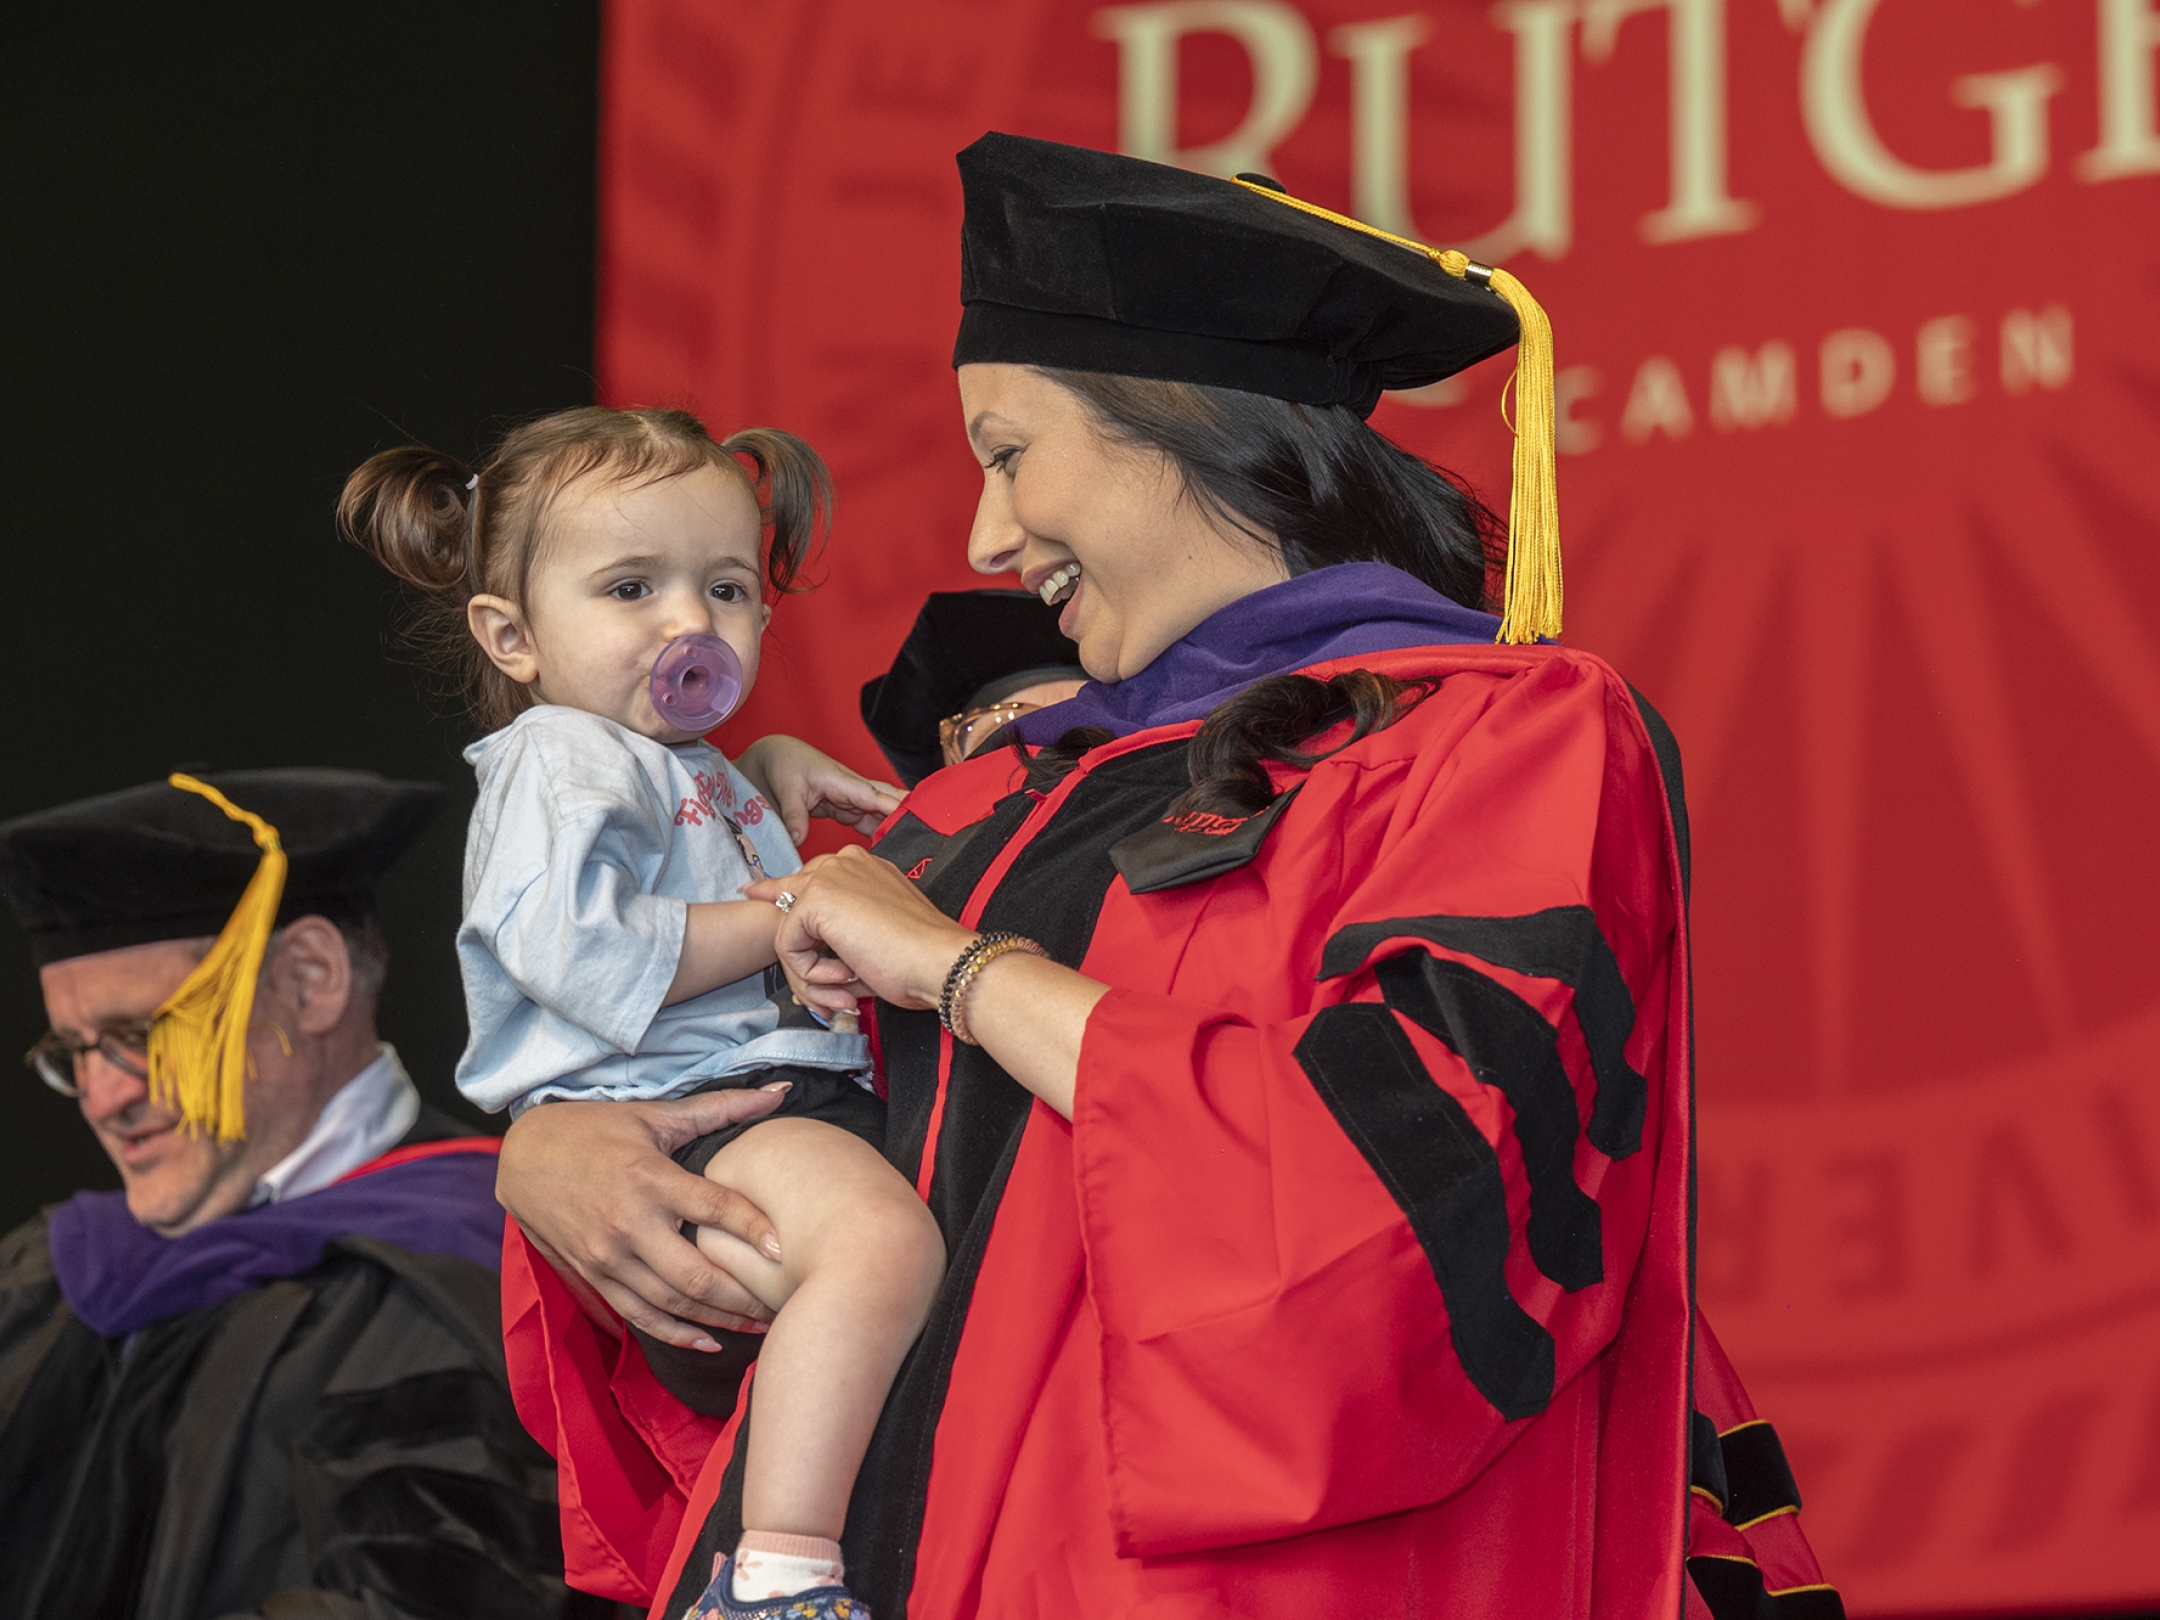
(157, 862)
(967, 648)
(1088, 261)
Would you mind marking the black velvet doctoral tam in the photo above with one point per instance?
(154, 862)
(967, 649)
(1088, 261)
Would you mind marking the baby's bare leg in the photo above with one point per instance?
(860, 1262)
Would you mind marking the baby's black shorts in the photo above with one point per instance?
(824, 1094)
(708, 1381)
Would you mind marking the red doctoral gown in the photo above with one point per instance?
(1360, 1281)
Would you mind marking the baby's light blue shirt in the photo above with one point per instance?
(586, 847)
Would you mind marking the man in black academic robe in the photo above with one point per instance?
(266, 1378)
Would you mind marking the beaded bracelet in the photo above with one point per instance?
(985, 949)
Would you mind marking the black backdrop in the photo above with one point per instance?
(246, 246)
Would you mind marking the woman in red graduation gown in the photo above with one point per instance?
(1290, 1032)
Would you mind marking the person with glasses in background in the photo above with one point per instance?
(264, 1377)
(974, 662)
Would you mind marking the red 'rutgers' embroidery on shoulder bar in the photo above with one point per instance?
(1192, 847)
(1205, 821)
(920, 867)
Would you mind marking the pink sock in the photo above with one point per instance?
(768, 1565)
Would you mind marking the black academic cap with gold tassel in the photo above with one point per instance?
(1532, 597)
(234, 856)
(199, 1038)
(1089, 261)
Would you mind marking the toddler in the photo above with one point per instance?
(605, 949)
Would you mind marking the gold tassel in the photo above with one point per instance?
(1533, 596)
(1533, 553)
(198, 1038)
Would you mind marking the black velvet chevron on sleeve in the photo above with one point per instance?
(1745, 1473)
(1732, 1589)
(1760, 1479)
(1445, 1177)
(1706, 1461)
(1508, 1045)
(1562, 943)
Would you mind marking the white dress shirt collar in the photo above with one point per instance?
(362, 1121)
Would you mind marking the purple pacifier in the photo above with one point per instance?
(696, 682)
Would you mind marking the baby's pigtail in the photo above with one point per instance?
(411, 510)
(418, 512)
(795, 492)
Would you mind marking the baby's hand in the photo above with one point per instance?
(800, 782)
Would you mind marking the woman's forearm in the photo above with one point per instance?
(1031, 1016)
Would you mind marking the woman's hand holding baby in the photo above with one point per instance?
(594, 1190)
(800, 782)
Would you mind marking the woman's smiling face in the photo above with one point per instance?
(1056, 493)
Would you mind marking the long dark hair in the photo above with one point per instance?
(1268, 721)
(1322, 481)
(1329, 489)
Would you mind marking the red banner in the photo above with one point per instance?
(1857, 306)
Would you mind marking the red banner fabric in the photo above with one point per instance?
(1857, 305)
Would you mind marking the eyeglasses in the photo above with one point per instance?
(57, 1058)
(959, 735)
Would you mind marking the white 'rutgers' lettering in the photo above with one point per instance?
(1281, 48)
(2129, 38)
(1543, 218)
(1844, 137)
(1277, 40)
(1699, 203)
